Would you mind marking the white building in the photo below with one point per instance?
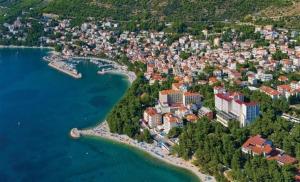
(170, 97)
(171, 121)
(232, 107)
(265, 77)
(152, 117)
(177, 97)
(191, 98)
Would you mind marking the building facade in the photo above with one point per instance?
(232, 107)
(152, 117)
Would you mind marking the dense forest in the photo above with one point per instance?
(215, 149)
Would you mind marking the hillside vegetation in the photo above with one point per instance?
(169, 10)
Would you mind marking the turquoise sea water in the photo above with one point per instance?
(38, 107)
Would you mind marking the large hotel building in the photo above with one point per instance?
(232, 107)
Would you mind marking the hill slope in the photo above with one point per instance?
(158, 10)
(192, 10)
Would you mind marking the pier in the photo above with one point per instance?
(65, 68)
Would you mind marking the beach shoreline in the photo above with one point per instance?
(25, 47)
(102, 130)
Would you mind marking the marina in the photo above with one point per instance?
(66, 68)
(68, 65)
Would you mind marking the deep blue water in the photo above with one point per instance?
(47, 104)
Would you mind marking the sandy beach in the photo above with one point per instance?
(102, 130)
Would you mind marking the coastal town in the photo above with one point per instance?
(232, 65)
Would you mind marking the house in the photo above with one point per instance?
(212, 80)
(219, 89)
(256, 145)
(265, 77)
(179, 86)
(274, 94)
(170, 121)
(191, 118)
(205, 112)
(252, 79)
(152, 117)
(285, 90)
(283, 78)
(281, 158)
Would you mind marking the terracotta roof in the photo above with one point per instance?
(182, 108)
(258, 145)
(225, 97)
(151, 111)
(171, 118)
(167, 92)
(286, 159)
(283, 78)
(284, 87)
(177, 85)
(213, 79)
(191, 117)
(269, 90)
(156, 77)
(218, 87)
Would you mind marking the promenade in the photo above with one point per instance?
(102, 130)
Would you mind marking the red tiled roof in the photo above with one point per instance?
(218, 87)
(191, 117)
(151, 111)
(213, 79)
(283, 78)
(167, 92)
(269, 90)
(284, 87)
(286, 159)
(258, 145)
(171, 118)
(225, 97)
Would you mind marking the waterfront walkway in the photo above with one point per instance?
(102, 130)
